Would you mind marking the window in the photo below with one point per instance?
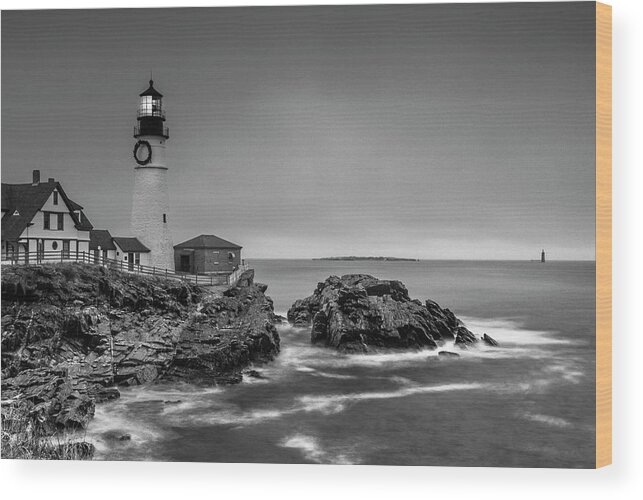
(54, 245)
(231, 255)
(55, 197)
(61, 222)
(164, 218)
(145, 105)
(65, 249)
(150, 106)
(47, 220)
(137, 257)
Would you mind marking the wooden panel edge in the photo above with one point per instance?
(603, 234)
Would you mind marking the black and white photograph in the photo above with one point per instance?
(334, 234)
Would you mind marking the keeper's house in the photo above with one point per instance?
(38, 219)
(207, 254)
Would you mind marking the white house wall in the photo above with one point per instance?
(122, 256)
(78, 240)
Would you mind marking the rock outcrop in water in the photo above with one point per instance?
(356, 311)
(71, 333)
(489, 340)
(229, 333)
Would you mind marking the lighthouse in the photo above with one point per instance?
(150, 203)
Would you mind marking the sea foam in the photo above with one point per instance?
(313, 451)
(507, 331)
(546, 419)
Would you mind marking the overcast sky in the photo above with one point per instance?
(435, 131)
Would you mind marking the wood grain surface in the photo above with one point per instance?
(603, 235)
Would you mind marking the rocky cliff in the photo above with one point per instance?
(71, 333)
(356, 311)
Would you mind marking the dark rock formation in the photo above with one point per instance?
(230, 333)
(51, 397)
(71, 333)
(448, 354)
(254, 374)
(489, 340)
(247, 278)
(117, 436)
(357, 310)
(464, 338)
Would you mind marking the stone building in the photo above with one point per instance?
(207, 254)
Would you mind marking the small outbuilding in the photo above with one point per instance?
(101, 245)
(207, 254)
(132, 251)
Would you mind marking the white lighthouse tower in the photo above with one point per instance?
(150, 204)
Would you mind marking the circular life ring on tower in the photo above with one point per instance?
(142, 152)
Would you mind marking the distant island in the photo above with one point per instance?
(353, 257)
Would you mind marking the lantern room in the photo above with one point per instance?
(151, 103)
(151, 115)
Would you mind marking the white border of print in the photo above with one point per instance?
(623, 479)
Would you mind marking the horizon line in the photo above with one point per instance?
(410, 259)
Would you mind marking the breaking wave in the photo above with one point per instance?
(312, 450)
(225, 414)
(335, 403)
(546, 419)
(511, 332)
(121, 425)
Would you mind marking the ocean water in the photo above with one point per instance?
(527, 403)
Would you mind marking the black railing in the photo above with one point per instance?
(146, 129)
(52, 257)
(143, 113)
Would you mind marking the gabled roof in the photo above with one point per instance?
(83, 223)
(27, 199)
(130, 245)
(101, 238)
(151, 91)
(74, 205)
(207, 241)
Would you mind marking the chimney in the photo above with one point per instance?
(36, 178)
(51, 180)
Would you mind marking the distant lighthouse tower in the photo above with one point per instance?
(150, 204)
(542, 256)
